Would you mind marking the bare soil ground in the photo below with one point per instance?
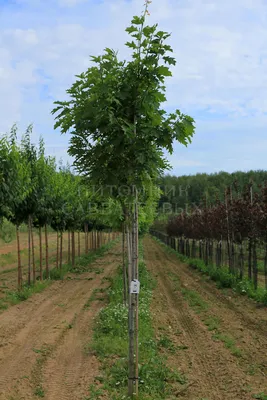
(8, 257)
(219, 339)
(231, 365)
(43, 340)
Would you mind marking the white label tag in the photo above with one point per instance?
(135, 287)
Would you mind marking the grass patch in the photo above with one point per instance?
(221, 276)
(15, 297)
(229, 343)
(110, 343)
(213, 323)
(175, 279)
(260, 396)
(195, 300)
(83, 264)
(166, 343)
(39, 392)
(94, 297)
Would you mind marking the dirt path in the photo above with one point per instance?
(42, 340)
(213, 370)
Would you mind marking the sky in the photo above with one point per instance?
(220, 78)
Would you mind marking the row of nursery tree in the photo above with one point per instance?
(34, 190)
(231, 232)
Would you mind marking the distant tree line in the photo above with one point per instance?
(188, 191)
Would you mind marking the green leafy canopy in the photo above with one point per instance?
(118, 127)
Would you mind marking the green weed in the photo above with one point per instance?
(260, 396)
(229, 343)
(166, 343)
(195, 300)
(39, 392)
(213, 323)
(15, 297)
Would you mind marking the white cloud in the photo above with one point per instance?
(220, 49)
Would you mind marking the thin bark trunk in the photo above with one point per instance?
(61, 251)
(133, 308)
(19, 260)
(86, 238)
(255, 265)
(241, 261)
(250, 258)
(137, 301)
(57, 260)
(68, 246)
(73, 248)
(29, 251)
(130, 315)
(265, 264)
(125, 285)
(46, 254)
(33, 254)
(79, 244)
(41, 252)
(129, 253)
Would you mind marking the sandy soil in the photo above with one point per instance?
(42, 341)
(212, 370)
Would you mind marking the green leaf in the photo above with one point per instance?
(148, 30)
(164, 71)
(169, 60)
(131, 29)
(131, 45)
(138, 20)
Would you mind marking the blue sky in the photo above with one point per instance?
(220, 78)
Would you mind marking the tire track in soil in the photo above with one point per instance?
(246, 310)
(245, 325)
(35, 336)
(211, 368)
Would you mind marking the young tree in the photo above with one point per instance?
(119, 130)
(16, 186)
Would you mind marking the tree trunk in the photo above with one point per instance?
(137, 300)
(41, 252)
(125, 285)
(131, 305)
(61, 251)
(250, 258)
(221, 253)
(241, 262)
(73, 248)
(255, 265)
(19, 260)
(129, 253)
(29, 250)
(68, 246)
(57, 260)
(206, 252)
(79, 244)
(133, 308)
(86, 237)
(233, 258)
(265, 264)
(33, 254)
(46, 254)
